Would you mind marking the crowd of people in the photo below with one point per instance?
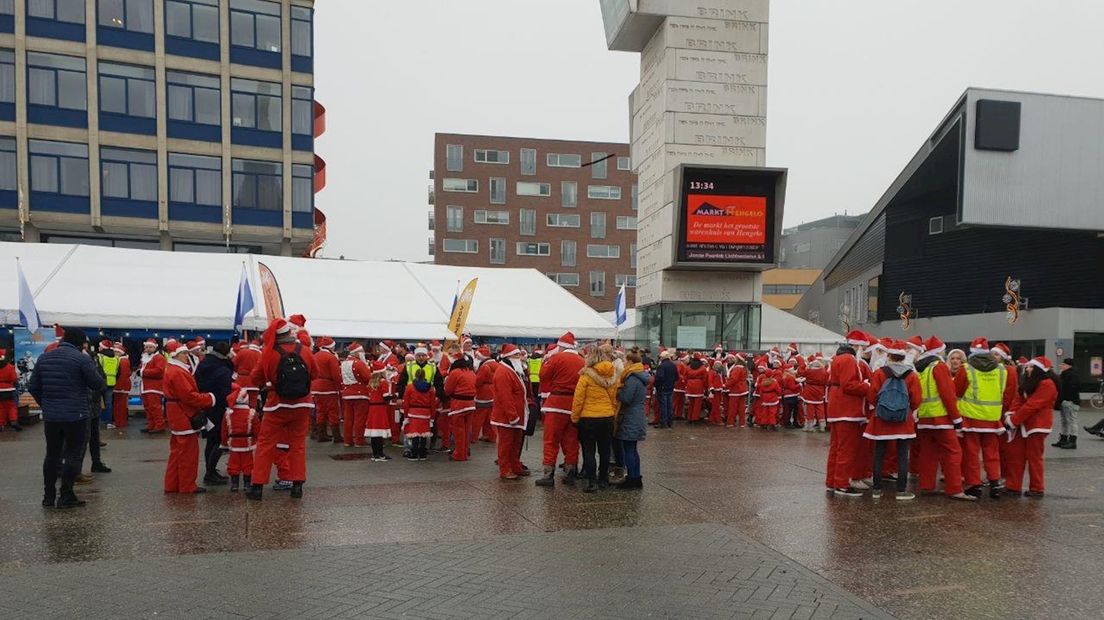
(893, 408)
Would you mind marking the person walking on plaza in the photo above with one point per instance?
(897, 395)
(632, 424)
(184, 408)
(420, 403)
(356, 376)
(847, 393)
(510, 412)
(593, 409)
(120, 407)
(60, 384)
(938, 424)
(1029, 426)
(1070, 395)
(460, 390)
(215, 374)
(153, 374)
(326, 389)
(239, 436)
(9, 396)
(558, 377)
(288, 367)
(982, 387)
(697, 378)
(665, 378)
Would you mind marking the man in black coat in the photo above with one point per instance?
(215, 374)
(665, 377)
(1069, 395)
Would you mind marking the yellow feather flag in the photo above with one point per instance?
(461, 309)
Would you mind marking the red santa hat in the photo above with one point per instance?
(895, 347)
(106, 345)
(355, 348)
(792, 347)
(174, 348)
(237, 346)
(150, 343)
(237, 396)
(857, 338)
(378, 367)
(566, 341)
(390, 344)
(934, 346)
(1001, 350)
(119, 348)
(325, 342)
(916, 343)
(59, 333)
(483, 352)
(435, 345)
(509, 350)
(1022, 361)
(1042, 363)
(979, 346)
(3, 353)
(718, 347)
(741, 356)
(697, 355)
(201, 342)
(193, 346)
(298, 320)
(731, 357)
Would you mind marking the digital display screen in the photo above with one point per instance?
(727, 216)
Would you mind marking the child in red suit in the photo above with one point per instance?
(420, 402)
(239, 435)
(813, 392)
(1030, 422)
(769, 389)
(378, 426)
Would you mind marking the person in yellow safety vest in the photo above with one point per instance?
(432, 376)
(535, 362)
(981, 385)
(110, 365)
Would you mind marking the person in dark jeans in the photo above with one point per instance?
(61, 383)
(95, 408)
(665, 378)
(215, 374)
(1069, 395)
(593, 409)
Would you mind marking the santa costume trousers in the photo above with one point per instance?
(356, 417)
(155, 412)
(183, 465)
(737, 406)
(978, 447)
(844, 454)
(814, 413)
(1026, 453)
(939, 448)
(560, 434)
(716, 412)
(120, 412)
(327, 409)
(290, 425)
(461, 432)
(509, 447)
(679, 405)
(240, 463)
(9, 412)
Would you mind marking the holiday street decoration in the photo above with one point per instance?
(904, 309)
(1012, 300)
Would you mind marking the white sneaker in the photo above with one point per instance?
(860, 485)
(876, 494)
(110, 426)
(905, 496)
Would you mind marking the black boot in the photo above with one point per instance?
(254, 492)
(69, 500)
(49, 500)
(569, 477)
(213, 479)
(994, 489)
(99, 468)
(297, 490)
(974, 491)
(1071, 443)
(548, 479)
(234, 480)
(1062, 441)
(247, 480)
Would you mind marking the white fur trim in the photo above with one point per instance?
(375, 432)
(290, 406)
(555, 410)
(859, 420)
(1037, 364)
(888, 437)
(975, 429)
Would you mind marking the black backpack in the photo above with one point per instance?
(292, 376)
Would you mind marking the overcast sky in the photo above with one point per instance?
(855, 88)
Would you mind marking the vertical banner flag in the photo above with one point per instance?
(28, 314)
(245, 300)
(270, 291)
(619, 306)
(462, 308)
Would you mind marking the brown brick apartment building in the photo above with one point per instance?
(541, 204)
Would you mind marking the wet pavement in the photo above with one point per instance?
(769, 542)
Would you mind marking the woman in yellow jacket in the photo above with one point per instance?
(593, 410)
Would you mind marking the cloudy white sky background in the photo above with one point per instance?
(855, 87)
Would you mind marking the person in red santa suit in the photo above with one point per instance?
(355, 377)
(697, 378)
(153, 375)
(791, 395)
(847, 391)
(1029, 424)
(510, 412)
(769, 388)
(420, 404)
(120, 407)
(378, 426)
(59, 333)
(287, 408)
(814, 390)
(794, 357)
(678, 399)
(558, 376)
(441, 429)
(239, 436)
(938, 424)
(484, 395)
(9, 396)
(460, 390)
(183, 403)
(717, 394)
(737, 388)
(326, 389)
(245, 360)
(884, 428)
(1003, 354)
(394, 360)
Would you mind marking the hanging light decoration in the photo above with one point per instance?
(1012, 300)
(905, 311)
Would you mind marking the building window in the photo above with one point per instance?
(567, 253)
(484, 156)
(626, 222)
(935, 225)
(71, 11)
(256, 105)
(129, 15)
(625, 280)
(8, 174)
(533, 249)
(492, 217)
(195, 179)
(432, 250)
(498, 191)
(302, 188)
(598, 225)
(454, 158)
(600, 168)
(632, 255)
(7, 77)
(302, 111)
(498, 251)
(460, 246)
(635, 197)
(128, 90)
(193, 19)
(528, 161)
(7, 7)
(467, 186)
(255, 24)
(564, 279)
(302, 31)
(194, 98)
(562, 220)
(604, 192)
(128, 174)
(56, 81)
(561, 160)
(528, 222)
(597, 284)
(258, 185)
(569, 194)
(59, 168)
(525, 188)
(624, 163)
(595, 250)
(454, 218)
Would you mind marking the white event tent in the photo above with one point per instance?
(117, 288)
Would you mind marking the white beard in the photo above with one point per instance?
(517, 365)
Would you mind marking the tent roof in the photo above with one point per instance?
(776, 326)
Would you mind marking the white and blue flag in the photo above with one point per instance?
(28, 314)
(621, 310)
(245, 300)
